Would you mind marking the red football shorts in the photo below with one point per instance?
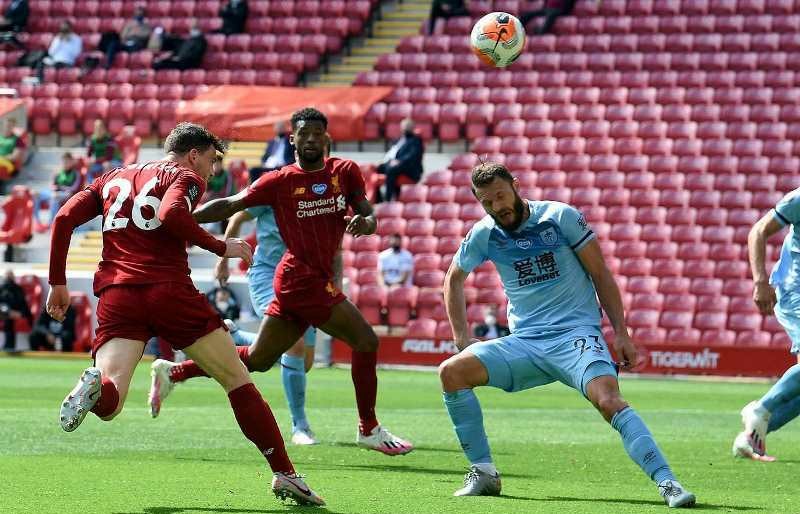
(308, 304)
(174, 311)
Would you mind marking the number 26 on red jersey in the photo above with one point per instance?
(112, 222)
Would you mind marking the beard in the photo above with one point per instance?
(519, 212)
(311, 155)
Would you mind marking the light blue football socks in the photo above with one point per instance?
(293, 376)
(640, 445)
(244, 338)
(784, 390)
(783, 414)
(465, 412)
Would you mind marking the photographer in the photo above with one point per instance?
(13, 306)
(49, 334)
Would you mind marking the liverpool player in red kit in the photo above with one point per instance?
(144, 290)
(311, 200)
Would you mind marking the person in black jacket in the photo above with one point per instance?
(551, 10)
(14, 20)
(15, 16)
(403, 158)
(13, 306)
(491, 328)
(446, 9)
(49, 334)
(188, 54)
(234, 17)
(278, 154)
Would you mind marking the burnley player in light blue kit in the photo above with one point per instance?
(553, 272)
(779, 294)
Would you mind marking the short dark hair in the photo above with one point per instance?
(484, 173)
(397, 235)
(308, 114)
(186, 136)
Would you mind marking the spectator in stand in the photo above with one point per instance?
(446, 9)
(220, 183)
(395, 264)
(102, 152)
(403, 158)
(128, 144)
(133, 38)
(12, 151)
(13, 306)
(278, 154)
(187, 54)
(224, 302)
(14, 20)
(490, 328)
(551, 10)
(64, 50)
(234, 17)
(66, 183)
(49, 334)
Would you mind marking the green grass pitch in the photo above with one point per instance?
(555, 453)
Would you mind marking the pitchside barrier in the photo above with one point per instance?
(667, 359)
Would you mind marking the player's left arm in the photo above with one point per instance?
(591, 258)
(363, 222)
(221, 208)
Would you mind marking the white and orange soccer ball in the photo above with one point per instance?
(498, 39)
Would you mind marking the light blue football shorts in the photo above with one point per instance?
(787, 310)
(516, 363)
(259, 278)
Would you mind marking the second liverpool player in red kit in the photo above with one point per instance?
(311, 201)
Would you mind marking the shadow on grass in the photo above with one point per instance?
(400, 468)
(699, 506)
(417, 448)
(187, 510)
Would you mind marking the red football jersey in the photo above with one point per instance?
(309, 207)
(147, 223)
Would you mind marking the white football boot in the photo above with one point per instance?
(675, 495)
(756, 420)
(81, 399)
(303, 437)
(383, 441)
(480, 483)
(293, 487)
(160, 385)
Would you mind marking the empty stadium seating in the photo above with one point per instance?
(283, 40)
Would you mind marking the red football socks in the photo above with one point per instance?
(189, 369)
(186, 370)
(258, 424)
(365, 381)
(109, 399)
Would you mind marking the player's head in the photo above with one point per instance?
(195, 147)
(309, 127)
(498, 191)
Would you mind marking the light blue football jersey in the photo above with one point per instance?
(270, 247)
(547, 287)
(786, 273)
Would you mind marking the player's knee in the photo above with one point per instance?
(609, 404)
(258, 363)
(369, 343)
(451, 375)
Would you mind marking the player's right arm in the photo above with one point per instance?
(175, 214)
(222, 271)
(783, 214)
(76, 211)
(471, 254)
(456, 304)
(261, 192)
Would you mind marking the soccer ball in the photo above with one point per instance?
(498, 39)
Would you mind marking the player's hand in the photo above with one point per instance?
(358, 225)
(222, 272)
(238, 249)
(764, 297)
(58, 302)
(462, 343)
(626, 351)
